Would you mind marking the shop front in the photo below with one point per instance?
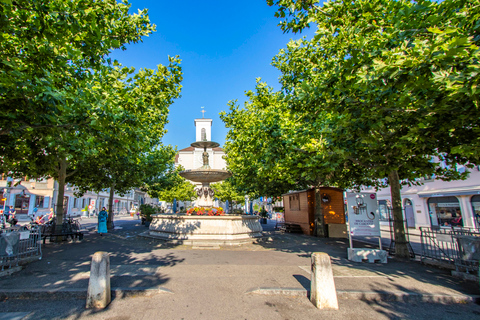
(445, 211)
(22, 202)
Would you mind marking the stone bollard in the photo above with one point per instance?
(323, 294)
(99, 294)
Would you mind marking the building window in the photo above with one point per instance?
(383, 210)
(443, 211)
(22, 203)
(294, 200)
(75, 202)
(204, 134)
(39, 200)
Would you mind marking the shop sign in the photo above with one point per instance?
(363, 219)
(447, 205)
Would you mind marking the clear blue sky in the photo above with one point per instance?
(224, 47)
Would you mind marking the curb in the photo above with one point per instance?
(400, 296)
(78, 293)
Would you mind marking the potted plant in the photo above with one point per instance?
(147, 211)
(263, 215)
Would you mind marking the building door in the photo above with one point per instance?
(409, 214)
(21, 203)
(65, 205)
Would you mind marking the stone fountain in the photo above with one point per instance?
(205, 175)
(205, 230)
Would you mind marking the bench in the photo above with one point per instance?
(68, 231)
(280, 226)
(293, 228)
(288, 227)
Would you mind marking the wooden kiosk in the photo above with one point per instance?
(300, 212)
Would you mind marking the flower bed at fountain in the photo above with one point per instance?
(199, 211)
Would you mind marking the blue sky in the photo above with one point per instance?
(224, 47)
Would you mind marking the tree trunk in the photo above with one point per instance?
(401, 249)
(62, 174)
(110, 224)
(319, 221)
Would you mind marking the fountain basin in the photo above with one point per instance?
(205, 175)
(205, 144)
(209, 230)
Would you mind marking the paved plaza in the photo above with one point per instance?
(269, 279)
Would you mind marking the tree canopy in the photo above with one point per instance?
(228, 191)
(69, 111)
(170, 185)
(382, 88)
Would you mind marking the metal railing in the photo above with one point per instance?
(391, 224)
(18, 244)
(446, 245)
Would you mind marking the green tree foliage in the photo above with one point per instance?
(227, 191)
(272, 149)
(400, 77)
(183, 191)
(381, 89)
(48, 49)
(147, 210)
(170, 185)
(122, 172)
(67, 108)
(167, 180)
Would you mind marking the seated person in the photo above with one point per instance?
(43, 219)
(40, 219)
(457, 221)
(12, 217)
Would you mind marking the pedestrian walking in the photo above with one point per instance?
(102, 221)
(6, 213)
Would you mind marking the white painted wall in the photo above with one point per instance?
(434, 188)
(205, 124)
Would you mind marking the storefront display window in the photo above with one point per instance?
(409, 215)
(383, 210)
(39, 200)
(476, 210)
(445, 211)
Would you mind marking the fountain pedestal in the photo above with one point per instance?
(206, 230)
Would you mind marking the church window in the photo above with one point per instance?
(204, 134)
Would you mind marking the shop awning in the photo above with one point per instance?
(450, 192)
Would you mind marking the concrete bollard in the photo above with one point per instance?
(323, 294)
(99, 293)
